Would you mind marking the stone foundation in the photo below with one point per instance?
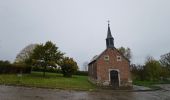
(106, 83)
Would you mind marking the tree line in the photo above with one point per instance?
(46, 56)
(152, 70)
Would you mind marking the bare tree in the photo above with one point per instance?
(126, 52)
(165, 60)
(85, 66)
(25, 53)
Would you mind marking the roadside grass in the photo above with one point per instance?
(151, 84)
(52, 80)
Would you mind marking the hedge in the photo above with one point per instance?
(82, 73)
(14, 68)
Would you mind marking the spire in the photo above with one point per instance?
(109, 35)
(109, 39)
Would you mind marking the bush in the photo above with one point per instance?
(152, 70)
(68, 67)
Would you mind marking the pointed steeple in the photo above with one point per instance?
(109, 39)
(109, 35)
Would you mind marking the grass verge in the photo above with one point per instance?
(52, 80)
(150, 84)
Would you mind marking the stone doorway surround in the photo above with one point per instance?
(118, 75)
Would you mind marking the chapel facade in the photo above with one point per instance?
(110, 68)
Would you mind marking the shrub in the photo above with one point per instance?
(152, 70)
(68, 67)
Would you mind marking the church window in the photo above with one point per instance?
(119, 58)
(106, 58)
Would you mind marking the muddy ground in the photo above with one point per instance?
(23, 93)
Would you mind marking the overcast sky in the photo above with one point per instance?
(79, 27)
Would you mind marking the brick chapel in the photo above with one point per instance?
(110, 68)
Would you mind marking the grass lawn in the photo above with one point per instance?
(150, 83)
(52, 80)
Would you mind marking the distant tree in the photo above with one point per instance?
(152, 69)
(137, 72)
(4, 62)
(24, 54)
(165, 60)
(46, 55)
(85, 66)
(68, 67)
(126, 52)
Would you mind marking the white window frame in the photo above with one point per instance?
(119, 58)
(106, 58)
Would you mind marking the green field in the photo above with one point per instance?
(52, 80)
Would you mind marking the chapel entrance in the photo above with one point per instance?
(114, 79)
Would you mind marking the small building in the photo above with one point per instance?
(110, 68)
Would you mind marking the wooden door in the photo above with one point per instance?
(114, 79)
